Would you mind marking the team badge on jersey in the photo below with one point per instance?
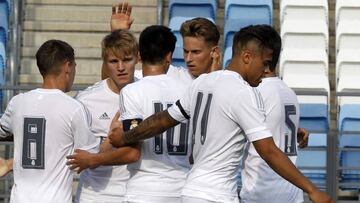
(131, 123)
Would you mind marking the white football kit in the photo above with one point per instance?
(47, 126)
(105, 183)
(261, 184)
(160, 173)
(225, 112)
(180, 73)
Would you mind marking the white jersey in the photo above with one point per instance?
(180, 73)
(164, 160)
(225, 112)
(105, 183)
(47, 126)
(260, 183)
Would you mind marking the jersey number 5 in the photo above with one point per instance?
(176, 137)
(34, 143)
(290, 140)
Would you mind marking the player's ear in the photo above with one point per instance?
(168, 58)
(246, 56)
(215, 52)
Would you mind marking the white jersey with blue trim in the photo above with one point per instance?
(260, 183)
(224, 112)
(47, 126)
(105, 183)
(164, 162)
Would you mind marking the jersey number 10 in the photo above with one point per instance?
(176, 139)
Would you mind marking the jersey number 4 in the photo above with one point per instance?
(204, 118)
(33, 155)
(176, 137)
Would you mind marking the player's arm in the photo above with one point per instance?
(121, 16)
(281, 164)
(153, 125)
(82, 159)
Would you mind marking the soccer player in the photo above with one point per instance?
(47, 125)
(225, 111)
(160, 173)
(261, 183)
(107, 183)
(200, 43)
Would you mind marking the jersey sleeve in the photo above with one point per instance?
(83, 137)
(180, 110)
(5, 122)
(248, 111)
(131, 112)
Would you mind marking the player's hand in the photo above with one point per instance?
(5, 166)
(303, 137)
(80, 160)
(116, 132)
(216, 60)
(120, 17)
(319, 197)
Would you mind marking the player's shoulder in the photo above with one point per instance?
(98, 87)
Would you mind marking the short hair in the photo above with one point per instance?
(51, 55)
(119, 42)
(201, 27)
(265, 35)
(155, 42)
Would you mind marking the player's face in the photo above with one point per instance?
(120, 69)
(197, 55)
(258, 66)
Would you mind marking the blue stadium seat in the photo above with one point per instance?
(234, 25)
(178, 57)
(317, 140)
(314, 117)
(249, 9)
(349, 160)
(312, 163)
(349, 118)
(4, 26)
(198, 8)
(227, 57)
(349, 139)
(2, 58)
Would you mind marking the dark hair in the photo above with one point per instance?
(155, 42)
(201, 27)
(264, 34)
(119, 42)
(51, 55)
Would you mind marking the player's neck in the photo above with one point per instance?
(112, 86)
(52, 82)
(150, 69)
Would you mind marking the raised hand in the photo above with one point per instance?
(121, 16)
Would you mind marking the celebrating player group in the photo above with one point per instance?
(164, 134)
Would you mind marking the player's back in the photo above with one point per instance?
(261, 183)
(45, 128)
(218, 101)
(164, 162)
